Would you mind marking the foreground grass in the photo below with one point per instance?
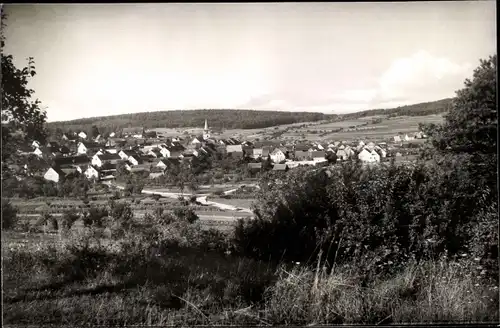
(127, 282)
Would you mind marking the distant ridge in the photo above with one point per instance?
(237, 118)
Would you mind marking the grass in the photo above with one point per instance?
(125, 281)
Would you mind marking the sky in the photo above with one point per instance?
(107, 59)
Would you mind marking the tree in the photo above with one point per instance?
(25, 118)
(9, 215)
(471, 124)
(94, 131)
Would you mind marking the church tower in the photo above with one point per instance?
(206, 132)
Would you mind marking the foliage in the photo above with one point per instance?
(387, 214)
(25, 117)
(122, 214)
(69, 217)
(94, 216)
(185, 214)
(218, 118)
(9, 215)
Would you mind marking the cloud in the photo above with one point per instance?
(420, 77)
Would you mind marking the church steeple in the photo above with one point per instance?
(206, 132)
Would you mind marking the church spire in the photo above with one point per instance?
(206, 125)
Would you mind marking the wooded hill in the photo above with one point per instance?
(235, 118)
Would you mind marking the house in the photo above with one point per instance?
(146, 167)
(342, 155)
(301, 155)
(125, 154)
(135, 160)
(254, 153)
(277, 155)
(370, 146)
(55, 173)
(86, 147)
(38, 152)
(317, 155)
(407, 138)
(98, 138)
(114, 142)
(254, 167)
(112, 135)
(195, 141)
(71, 161)
(420, 135)
(265, 153)
(397, 139)
(134, 132)
(155, 153)
(234, 149)
(82, 135)
(91, 173)
(111, 150)
(280, 167)
(367, 156)
(35, 144)
(101, 159)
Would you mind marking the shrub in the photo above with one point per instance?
(94, 216)
(122, 214)
(386, 214)
(69, 217)
(185, 214)
(9, 215)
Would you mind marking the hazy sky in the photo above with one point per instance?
(104, 59)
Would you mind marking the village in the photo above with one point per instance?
(139, 150)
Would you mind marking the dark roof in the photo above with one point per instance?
(254, 165)
(109, 157)
(280, 167)
(131, 153)
(318, 153)
(91, 144)
(71, 160)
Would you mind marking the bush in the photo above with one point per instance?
(185, 214)
(384, 214)
(122, 214)
(95, 216)
(69, 217)
(9, 215)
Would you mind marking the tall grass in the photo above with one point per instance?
(422, 293)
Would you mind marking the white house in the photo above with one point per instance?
(99, 160)
(82, 135)
(91, 173)
(397, 139)
(234, 149)
(367, 156)
(277, 155)
(112, 134)
(342, 155)
(111, 150)
(98, 138)
(195, 141)
(38, 152)
(35, 144)
(52, 175)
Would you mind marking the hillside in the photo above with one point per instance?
(217, 118)
(421, 109)
(236, 118)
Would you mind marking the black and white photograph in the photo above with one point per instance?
(249, 164)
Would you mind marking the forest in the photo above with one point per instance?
(235, 118)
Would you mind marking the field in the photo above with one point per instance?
(356, 130)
